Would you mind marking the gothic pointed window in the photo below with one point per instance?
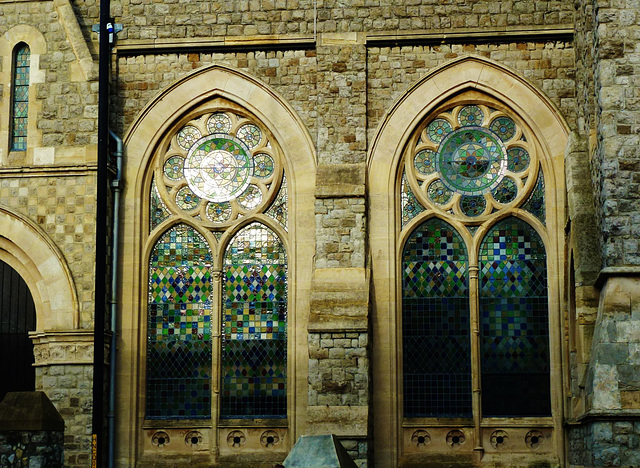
(217, 309)
(474, 267)
(20, 98)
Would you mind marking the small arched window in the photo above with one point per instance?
(20, 98)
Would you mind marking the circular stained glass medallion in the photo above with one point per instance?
(250, 198)
(518, 159)
(173, 168)
(424, 162)
(504, 127)
(438, 193)
(473, 206)
(506, 191)
(470, 115)
(219, 123)
(250, 134)
(438, 129)
(471, 160)
(218, 167)
(186, 199)
(219, 212)
(187, 136)
(263, 164)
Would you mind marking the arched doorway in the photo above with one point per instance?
(17, 319)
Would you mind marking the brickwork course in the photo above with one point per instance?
(341, 65)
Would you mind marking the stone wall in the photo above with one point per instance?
(63, 205)
(605, 443)
(150, 20)
(338, 369)
(618, 151)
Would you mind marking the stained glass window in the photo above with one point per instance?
(254, 334)
(435, 323)
(179, 327)
(20, 99)
(514, 322)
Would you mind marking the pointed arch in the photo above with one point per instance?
(454, 88)
(195, 105)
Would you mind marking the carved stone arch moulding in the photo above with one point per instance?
(214, 153)
(43, 267)
(472, 143)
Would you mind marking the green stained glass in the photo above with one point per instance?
(186, 199)
(518, 159)
(173, 168)
(219, 212)
(424, 162)
(179, 327)
(250, 134)
(438, 129)
(504, 127)
(219, 123)
(470, 115)
(473, 206)
(410, 205)
(514, 321)
(506, 191)
(250, 198)
(158, 210)
(471, 160)
(435, 323)
(187, 136)
(535, 202)
(438, 193)
(263, 164)
(20, 98)
(218, 167)
(278, 209)
(254, 329)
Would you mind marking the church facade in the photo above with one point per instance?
(411, 224)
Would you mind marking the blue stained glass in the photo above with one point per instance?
(20, 98)
(254, 328)
(435, 323)
(514, 322)
(179, 327)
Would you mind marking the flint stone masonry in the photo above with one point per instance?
(31, 431)
(605, 443)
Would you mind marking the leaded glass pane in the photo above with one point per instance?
(514, 322)
(535, 203)
(278, 210)
(410, 205)
(254, 334)
(20, 106)
(179, 327)
(158, 210)
(435, 323)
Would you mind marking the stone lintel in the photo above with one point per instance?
(62, 347)
(340, 180)
(342, 38)
(29, 411)
(343, 421)
(339, 300)
(620, 271)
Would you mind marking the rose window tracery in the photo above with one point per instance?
(219, 166)
(469, 162)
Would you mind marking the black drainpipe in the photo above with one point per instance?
(101, 239)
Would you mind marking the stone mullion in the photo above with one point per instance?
(216, 350)
(474, 309)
